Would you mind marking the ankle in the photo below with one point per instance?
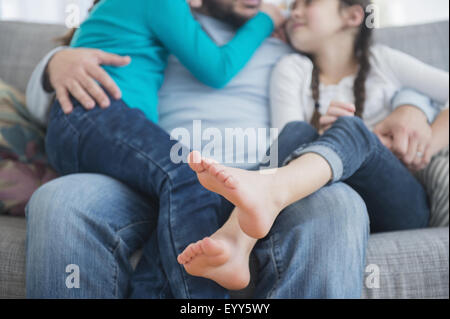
(278, 191)
(232, 231)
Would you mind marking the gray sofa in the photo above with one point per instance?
(411, 264)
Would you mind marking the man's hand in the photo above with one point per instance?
(408, 135)
(75, 72)
(335, 111)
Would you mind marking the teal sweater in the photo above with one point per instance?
(149, 30)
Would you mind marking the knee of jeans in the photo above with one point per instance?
(337, 209)
(298, 126)
(61, 202)
(356, 124)
(342, 210)
(349, 209)
(47, 208)
(351, 121)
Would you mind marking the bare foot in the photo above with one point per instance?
(251, 191)
(219, 258)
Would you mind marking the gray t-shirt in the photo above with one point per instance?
(243, 104)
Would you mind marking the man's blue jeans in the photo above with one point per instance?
(96, 222)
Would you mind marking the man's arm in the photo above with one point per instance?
(422, 102)
(39, 98)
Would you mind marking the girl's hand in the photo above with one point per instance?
(79, 72)
(275, 13)
(195, 3)
(335, 111)
(280, 33)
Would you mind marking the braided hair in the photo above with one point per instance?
(66, 39)
(363, 43)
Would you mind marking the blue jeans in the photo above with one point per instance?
(156, 210)
(316, 248)
(395, 199)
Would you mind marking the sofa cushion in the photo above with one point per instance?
(22, 46)
(23, 164)
(411, 264)
(426, 42)
(12, 257)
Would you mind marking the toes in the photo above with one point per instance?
(220, 172)
(190, 252)
(211, 247)
(231, 182)
(207, 162)
(182, 259)
(222, 176)
(195, 162)
(215, 169)
(187, 254)
(197, 248)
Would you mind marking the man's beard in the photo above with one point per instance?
(223, 12)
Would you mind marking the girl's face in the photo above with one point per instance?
(313, 22)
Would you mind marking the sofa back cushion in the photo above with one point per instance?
(22, 45)
(428, 42)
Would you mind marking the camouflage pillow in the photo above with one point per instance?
(23, 164)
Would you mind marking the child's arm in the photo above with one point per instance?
(172, 22)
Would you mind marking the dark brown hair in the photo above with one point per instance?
(362, 46)
(67, 38)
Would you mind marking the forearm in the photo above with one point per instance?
(38, 99)
(440, 129)
(213, 64)
(413, 98)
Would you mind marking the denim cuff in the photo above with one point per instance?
(333, 159)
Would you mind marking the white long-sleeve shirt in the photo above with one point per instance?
(391, 70)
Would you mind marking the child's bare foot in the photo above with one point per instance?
(251, 191)
(220, 258)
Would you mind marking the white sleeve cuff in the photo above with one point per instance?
(38, 100)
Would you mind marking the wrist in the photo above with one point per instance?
(408, 97)
(414, 108)
(411, 112)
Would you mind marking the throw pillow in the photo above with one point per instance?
(23, 164)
